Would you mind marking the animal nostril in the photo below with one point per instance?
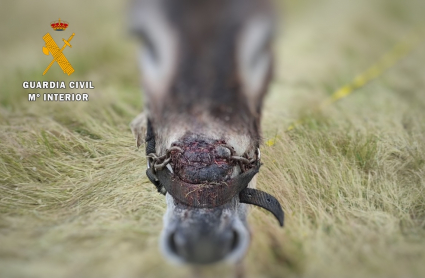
(172, 242)
(235, 240)
(268, 200)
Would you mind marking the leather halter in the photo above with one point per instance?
(213, 194)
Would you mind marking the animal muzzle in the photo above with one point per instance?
(206, 188)
(204, 235)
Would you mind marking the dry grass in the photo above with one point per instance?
(74, 198)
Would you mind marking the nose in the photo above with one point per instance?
(204, 236)
(202, 248)
(206, 245)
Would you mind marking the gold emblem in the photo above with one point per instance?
(52, 48)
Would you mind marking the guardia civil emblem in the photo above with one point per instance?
(52, 48)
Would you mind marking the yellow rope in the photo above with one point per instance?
(387, 61)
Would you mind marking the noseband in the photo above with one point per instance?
(210, 194)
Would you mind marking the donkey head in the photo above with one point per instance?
(206, 67)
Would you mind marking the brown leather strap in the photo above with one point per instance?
(205, 195)
(150, 138)
(262, 199)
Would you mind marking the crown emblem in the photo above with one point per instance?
(59, 25)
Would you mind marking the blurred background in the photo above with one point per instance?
(74, 200)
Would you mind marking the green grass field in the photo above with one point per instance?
(75, 201)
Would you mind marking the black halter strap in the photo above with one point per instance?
(211, 195)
